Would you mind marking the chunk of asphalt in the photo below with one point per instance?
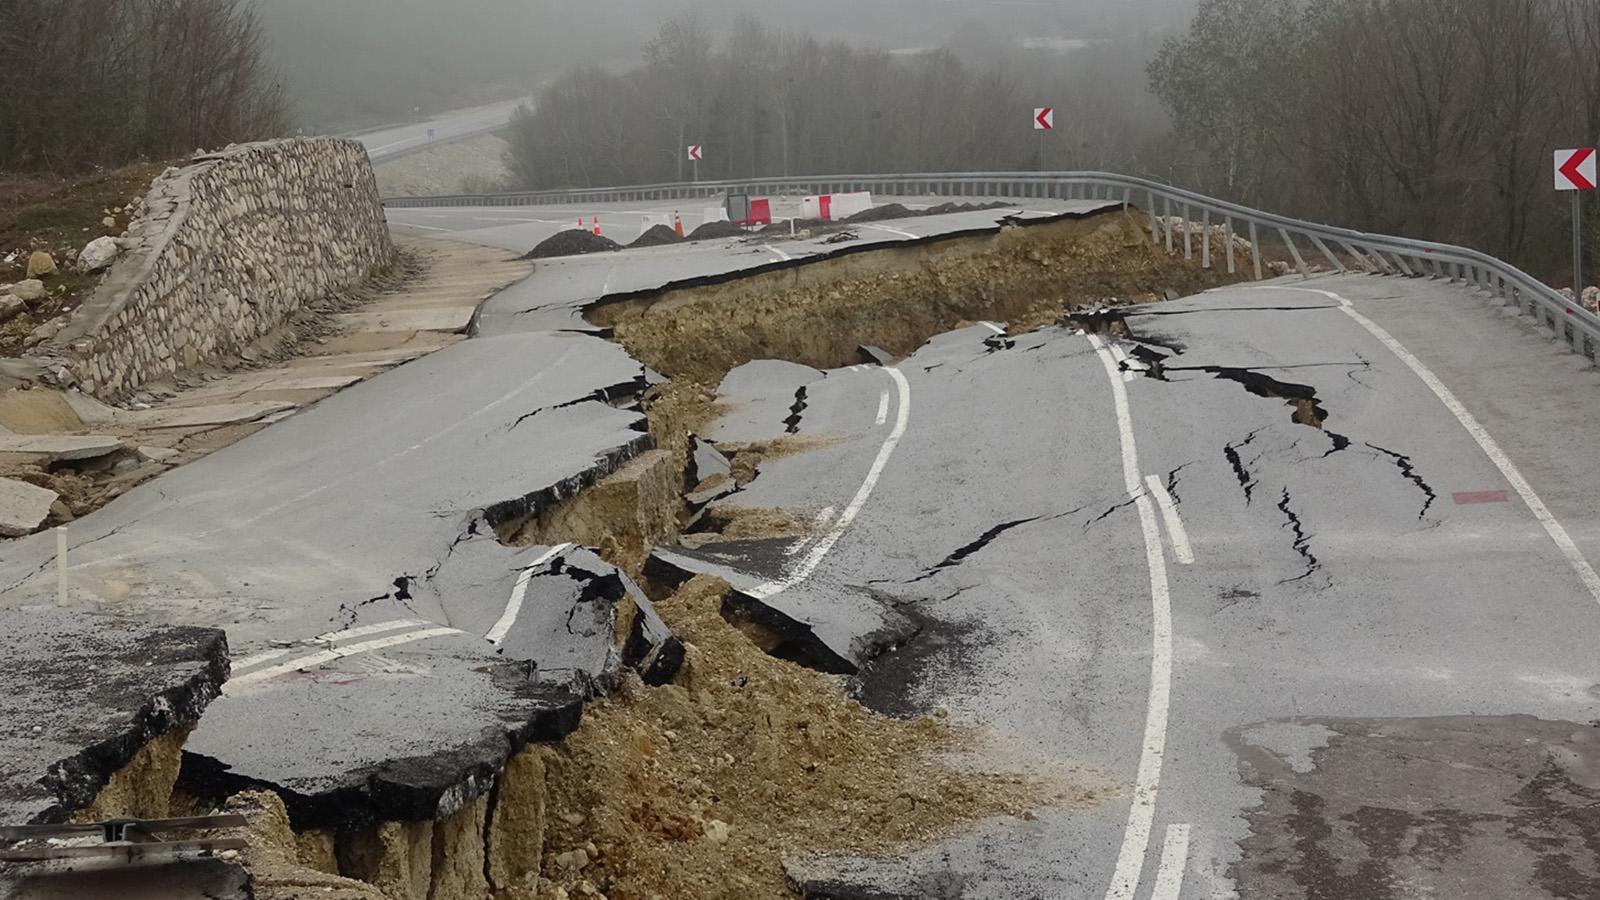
(414, 733)
(23, 507)
(173, 879)
(855, 627)
(59, 447)
(874, 356)
(86, 692)
(707, 464)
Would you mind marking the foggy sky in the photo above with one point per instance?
(353, 63)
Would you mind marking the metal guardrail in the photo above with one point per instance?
(1172, 212)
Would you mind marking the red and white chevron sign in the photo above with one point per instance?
(696, 152)
(1575, 170)
(1044, 118)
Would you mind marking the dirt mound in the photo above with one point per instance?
(701, 787)
(571, 242)
(948, 207)
(711, 230)
(657, 236)
(879, 213)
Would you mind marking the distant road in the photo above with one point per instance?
(398, 140)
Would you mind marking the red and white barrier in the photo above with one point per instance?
(831, 207)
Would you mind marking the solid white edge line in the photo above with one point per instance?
(782, 256)
(502, 626)
(1491, 449)
(993, 327)
(1169, 512)
(814, 558)
(317, 659)
(1174, 859)
(1142, 806)
(883, 408)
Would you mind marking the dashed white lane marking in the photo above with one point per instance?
(1174, 859)
(1169, 512)
(518, 591)
(423, 227)
(894, 231)
(993, 327)
(317, 659)
(820, 549)
(329, 637)
(782, 256)
(1542, 513)
(883, 408)
(1141, 812)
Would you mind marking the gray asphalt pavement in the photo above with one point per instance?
(1349, 583)
(398, 140)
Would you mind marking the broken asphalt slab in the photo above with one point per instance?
(23, 507)
(367, 489)
(86, 693)
(405, 719)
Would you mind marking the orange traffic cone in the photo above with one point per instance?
(677, 223)
(597, 225)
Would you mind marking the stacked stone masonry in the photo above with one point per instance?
(222, 253)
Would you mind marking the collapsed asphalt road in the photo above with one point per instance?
(1279, 524)
(1236, 554)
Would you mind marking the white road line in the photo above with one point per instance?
(782, 256)
(514, 606)
(1141, 811)
(330, 637)
(317, 659)
(1542, 513)
(423, 227)
(1174, 859)
(895, 231)
(1169, 512)
(814, 558)
(993, 327)
(883, 408)
(340, 637)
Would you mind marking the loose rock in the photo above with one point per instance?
(98, 254)
(41, 263)
(29, 290)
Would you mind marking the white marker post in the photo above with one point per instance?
(61, 565)
(1575, 172)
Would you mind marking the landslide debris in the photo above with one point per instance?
(700, 788)
(818, 314)
(657, 236)
(571, 242)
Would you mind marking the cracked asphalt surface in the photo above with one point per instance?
(1344, 581)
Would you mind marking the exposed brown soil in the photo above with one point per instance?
(59, 216)
(700, 788)
(898, 297)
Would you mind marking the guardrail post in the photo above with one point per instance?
(1227, 238)
(1166, 221)
(1155, 237)
(1299, 264)
(1127, 197)
(1188, 232)
(1333, 260)
(1205, 241)
(1255, 248)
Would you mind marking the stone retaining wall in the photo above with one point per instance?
(222, 253)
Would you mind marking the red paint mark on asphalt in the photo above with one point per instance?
(1464, 497)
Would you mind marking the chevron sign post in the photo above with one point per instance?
(1575, 172)
(1044, 118)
